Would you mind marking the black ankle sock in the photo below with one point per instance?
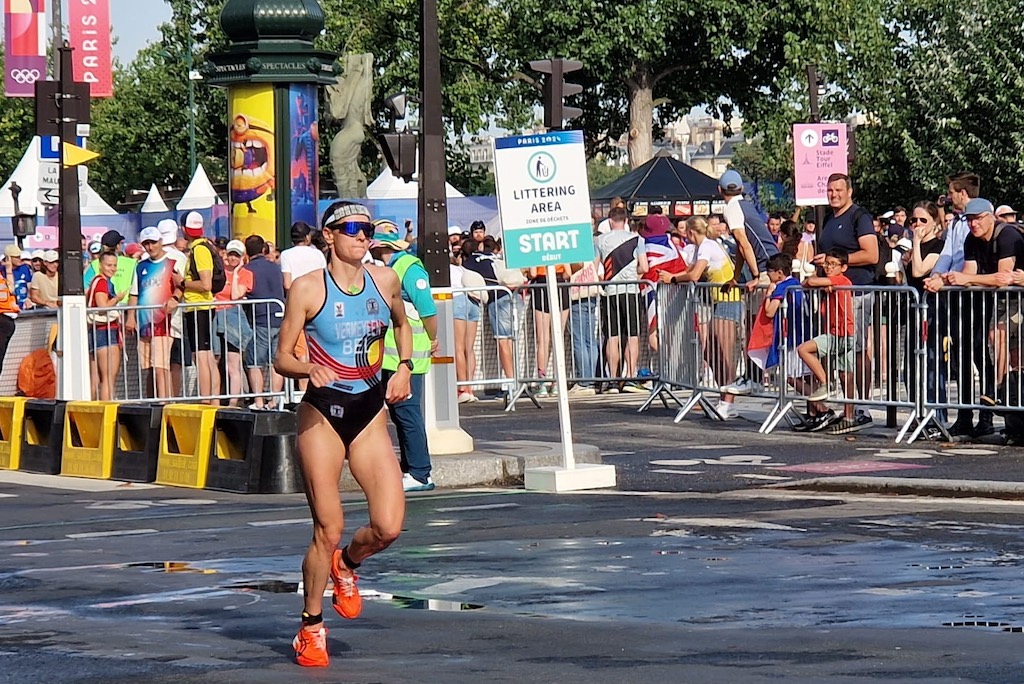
(310, 620)
(347, 560)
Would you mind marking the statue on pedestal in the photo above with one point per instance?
(349, 102)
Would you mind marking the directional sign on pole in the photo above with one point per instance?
(819, 150)
(49, 196)
(49, 175)
(544, 199)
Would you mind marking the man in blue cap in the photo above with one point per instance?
(754, 246)
(390, 249)
(992, 252)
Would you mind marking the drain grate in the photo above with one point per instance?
(922, 566)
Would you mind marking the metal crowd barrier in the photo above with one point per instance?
(588, 310)
(971, 339)
(848, 359)
(244, 353)
(32, 330)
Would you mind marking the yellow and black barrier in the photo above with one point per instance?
(253, 452)
(42, 436)
(180, 445)
(12, 423)
(137, 446)
(186, 440)
(90, 428)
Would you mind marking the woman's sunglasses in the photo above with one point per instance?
(917, 219)
(353, 228)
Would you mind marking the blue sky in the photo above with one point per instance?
(135, 23)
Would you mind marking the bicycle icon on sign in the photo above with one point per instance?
(829, 138)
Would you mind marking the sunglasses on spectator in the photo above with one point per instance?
(918, 219)
(353, 228)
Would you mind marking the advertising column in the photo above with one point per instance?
(304, 170)
(251, 170)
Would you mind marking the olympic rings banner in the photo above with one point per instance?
(24, 46)
(89, 26)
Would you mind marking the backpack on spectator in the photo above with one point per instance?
(37, 377)
(220, 278)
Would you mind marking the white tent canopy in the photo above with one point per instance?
(26, 175)
(154, 202)
(200, 193)
(388, 186)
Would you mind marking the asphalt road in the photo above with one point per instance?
(688, 572)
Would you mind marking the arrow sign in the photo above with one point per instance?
(49, 196)
(74, 155)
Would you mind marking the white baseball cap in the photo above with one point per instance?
(454, 230)
(237, 247)
(51, 255)
(38, 254)
(151, 234)
(95, 248)
(168, 230)
(26, 255)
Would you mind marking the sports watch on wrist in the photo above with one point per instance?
(407, 363)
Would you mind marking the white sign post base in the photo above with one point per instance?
(73, 380)
(570, 476)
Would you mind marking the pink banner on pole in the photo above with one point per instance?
(24, 46)
(819, 150)
(89, 26)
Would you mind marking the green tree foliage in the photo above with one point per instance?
(951, 101)
(651, 62)
(143, 130)
(600, 173)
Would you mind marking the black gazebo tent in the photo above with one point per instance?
(664, 181)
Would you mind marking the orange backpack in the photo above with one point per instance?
(36, 376)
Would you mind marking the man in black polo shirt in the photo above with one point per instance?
(268, 283)
(850, 228)
(991, 254)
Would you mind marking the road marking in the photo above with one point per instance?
(74, 484)
(8, 496)
(109, 533)
(724, 522)
(667, 471)
(275, 523)
(480, 507)
(756, 476)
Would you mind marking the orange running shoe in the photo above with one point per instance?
(311, 647)
(346, 597)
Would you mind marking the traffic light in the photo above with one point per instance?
(399, 148)
(555, 90)
(400, 153)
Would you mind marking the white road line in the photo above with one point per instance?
(109, 533)
(481, 507)
(8, 496)
(74, 484)
(275, 523)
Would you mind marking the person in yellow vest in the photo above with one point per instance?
(388, 248)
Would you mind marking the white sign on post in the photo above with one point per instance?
(544, 204)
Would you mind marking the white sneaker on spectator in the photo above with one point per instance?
(581, 391)
(742, 386)
(707, 378)
(727, 410)
(820, 394)
(466, 397)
